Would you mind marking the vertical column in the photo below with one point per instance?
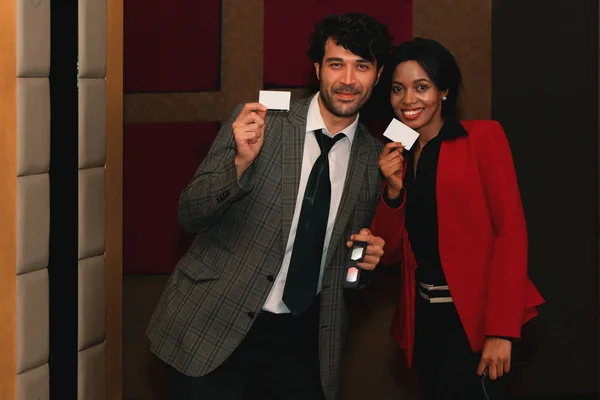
(8, 200)
(92, 199)
(63, 267)
(33, 198)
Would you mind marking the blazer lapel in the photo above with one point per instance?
(294, 135)
(357, 164)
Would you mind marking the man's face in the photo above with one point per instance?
(346, 80)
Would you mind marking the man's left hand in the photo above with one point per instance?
(374, 249)
(495, 357)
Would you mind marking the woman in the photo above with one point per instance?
(451, 206)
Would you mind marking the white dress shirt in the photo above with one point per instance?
(339, 156)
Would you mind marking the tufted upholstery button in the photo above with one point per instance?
(251, 315)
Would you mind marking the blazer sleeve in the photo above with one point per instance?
(214, 185)
(388, 223)
(507, 283)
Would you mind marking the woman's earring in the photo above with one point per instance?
(444, 98)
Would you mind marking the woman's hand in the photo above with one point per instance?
(495, 358)
(391, 163)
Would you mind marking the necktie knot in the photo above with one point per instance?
(326, 142)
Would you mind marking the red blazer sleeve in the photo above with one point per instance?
(507, 286)
(389, 225)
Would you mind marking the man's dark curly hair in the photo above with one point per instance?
(359, 33)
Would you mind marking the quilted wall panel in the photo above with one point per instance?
(33, 198)
(91, 274)
(32, 320)
(91, 384)
(33, 38)
(34, 384)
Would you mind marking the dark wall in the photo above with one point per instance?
(545, 94)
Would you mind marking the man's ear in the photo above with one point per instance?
(379, 75)
(318, 70)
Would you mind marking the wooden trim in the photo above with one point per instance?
(8, 199)
(114, 202)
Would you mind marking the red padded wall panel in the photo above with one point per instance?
(288, 25)
(159, 161)
(171, 46)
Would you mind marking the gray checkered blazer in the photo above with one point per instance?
(220, 284)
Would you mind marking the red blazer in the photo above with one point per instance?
(482, 240)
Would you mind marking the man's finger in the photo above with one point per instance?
(252, 107)
(359, 237)
(248, 136)
(369, 261)
(254, 118)
(376, 246)
(507, 366)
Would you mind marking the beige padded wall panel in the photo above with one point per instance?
(33, 125)
(32, 320)
(92, 38)
(91, 381)
(33, 38)
(92, 302)
(33, 222)
(34, 384)
(92, 123)
(92, 212)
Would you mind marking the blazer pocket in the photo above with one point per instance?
(205, 264)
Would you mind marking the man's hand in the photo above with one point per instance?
(495, 357)
(374, 250)
(249, 134)
(391, 163)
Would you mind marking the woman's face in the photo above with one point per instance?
(416, 100)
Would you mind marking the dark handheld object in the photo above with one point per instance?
(355, 255)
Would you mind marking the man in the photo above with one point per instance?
(257, 302)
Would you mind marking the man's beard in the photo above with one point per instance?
(340, 110)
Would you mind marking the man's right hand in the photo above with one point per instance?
(249, 135)
(391, 163)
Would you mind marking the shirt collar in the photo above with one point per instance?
(314, 120)
(452, 129)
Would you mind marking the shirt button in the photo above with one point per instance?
(270, 278)
(282, 281)
(251, 315)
